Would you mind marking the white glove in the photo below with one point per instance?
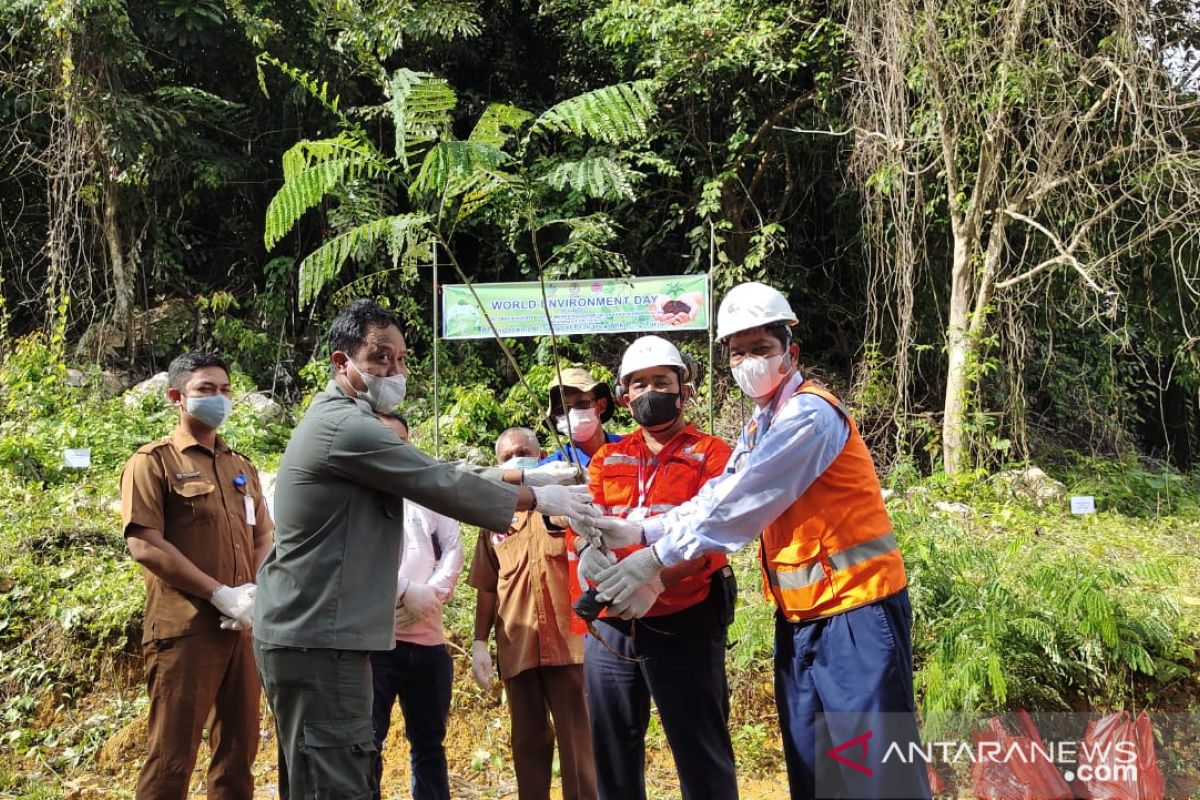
(618, 583)
(404, 616)
(609, 532)
(236, 604)
(481, 665)
(592, 561)
(552, 472)
(421, 599)
(617, 532)
(640, 602)
(566, 501)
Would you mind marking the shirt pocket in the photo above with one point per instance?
(195, 499)
(554, 546)
(512, 553)
(802, 576)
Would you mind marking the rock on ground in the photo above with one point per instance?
(155, 385)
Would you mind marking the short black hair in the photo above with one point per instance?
(182, 367)
(348, 332)
(403, 420)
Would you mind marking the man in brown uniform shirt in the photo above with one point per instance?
(521, 576)
(195, 519)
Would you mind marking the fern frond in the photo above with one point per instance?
(306, 186)
(318, 90)
(498, 123)
(481, 189)
(446, 20)
(448, 168)
(598, 177)
(613, 114)
(400, 232)
(422, 106)
(305, 153)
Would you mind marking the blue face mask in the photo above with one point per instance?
(211, 410)
(520, 462)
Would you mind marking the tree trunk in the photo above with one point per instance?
(120, 267)
(958, 352)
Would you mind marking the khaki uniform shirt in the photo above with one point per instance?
(330, 578)
(527, 568)
(198, 499)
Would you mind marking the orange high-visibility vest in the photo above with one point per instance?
(833, 549)
(673, 477)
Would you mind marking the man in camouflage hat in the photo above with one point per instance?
(579, 407)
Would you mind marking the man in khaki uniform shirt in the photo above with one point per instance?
(521, 576)
(195, 519)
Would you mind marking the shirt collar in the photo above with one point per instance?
(785, 391)
(182, 439)
(688, 430)
(335, 391)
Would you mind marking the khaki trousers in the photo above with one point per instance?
(186, 678)
(559, 691)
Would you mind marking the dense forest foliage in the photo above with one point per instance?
(986, 212)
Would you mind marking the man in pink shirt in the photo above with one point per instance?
(419, 671)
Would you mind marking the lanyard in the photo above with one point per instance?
(644, 485)
(755, 430)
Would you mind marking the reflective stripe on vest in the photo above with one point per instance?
(833, 549)
(810, 574)
(655, 508)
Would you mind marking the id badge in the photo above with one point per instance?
(251, 519)
(637, 514)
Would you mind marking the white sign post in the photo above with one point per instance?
(1083, 504)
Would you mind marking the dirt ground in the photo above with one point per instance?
(476, 746)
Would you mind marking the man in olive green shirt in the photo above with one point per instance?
(327, 592)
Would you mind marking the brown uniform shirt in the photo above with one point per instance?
(195, 497)
(527, 568)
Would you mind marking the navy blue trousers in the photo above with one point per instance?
(678, 660)
(419, 676)
(845, 683)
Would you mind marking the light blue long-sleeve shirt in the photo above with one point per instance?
(798, 438)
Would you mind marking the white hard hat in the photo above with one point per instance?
(650, 351)
(752, 305)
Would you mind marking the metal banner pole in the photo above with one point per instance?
(437, 415)
(712, 244)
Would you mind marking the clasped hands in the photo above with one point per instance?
(417, 601)
(628, 587)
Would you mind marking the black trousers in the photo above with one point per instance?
(419, 677)
(678, 660)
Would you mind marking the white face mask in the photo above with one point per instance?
(758, 377)
(520, 462)
(584, 422)
(383, 394)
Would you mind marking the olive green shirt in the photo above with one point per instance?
(330, 578)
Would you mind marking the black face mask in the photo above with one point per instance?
(653, 409)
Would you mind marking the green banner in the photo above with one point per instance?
(672, 303)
